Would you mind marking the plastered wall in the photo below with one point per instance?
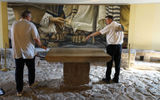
(144, 26)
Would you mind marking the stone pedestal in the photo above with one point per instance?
(76, 73)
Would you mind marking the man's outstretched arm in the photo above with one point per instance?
(93, 34)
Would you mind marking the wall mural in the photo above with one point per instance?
(68, 25)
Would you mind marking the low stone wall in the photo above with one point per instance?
(147, 54)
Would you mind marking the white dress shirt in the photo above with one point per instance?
(113, 35)
(23, 33)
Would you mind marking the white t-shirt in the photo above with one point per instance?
(23, 33)
(113, 35)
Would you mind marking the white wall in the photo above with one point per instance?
(144, 26)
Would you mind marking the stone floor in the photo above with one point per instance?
(141, 82)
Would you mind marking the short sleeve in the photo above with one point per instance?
(119, 27)
(105, 30)
(12, 30)
(34, 31)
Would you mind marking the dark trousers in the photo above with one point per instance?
(115, 52)
(19, 72)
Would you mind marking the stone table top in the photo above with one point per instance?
(77, 55)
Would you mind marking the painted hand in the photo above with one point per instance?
(87, 37)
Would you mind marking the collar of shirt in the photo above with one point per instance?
(22, 19)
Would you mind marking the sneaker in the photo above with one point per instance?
(19, 94)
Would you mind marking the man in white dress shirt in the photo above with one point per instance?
(114, 38)
(24, 35)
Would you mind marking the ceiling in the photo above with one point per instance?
(85, 1)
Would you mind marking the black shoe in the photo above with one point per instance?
(105, 80)
(114, 81)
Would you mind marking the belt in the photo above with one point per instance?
(114, 45)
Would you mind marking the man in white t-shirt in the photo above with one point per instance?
(24, 35)
(114, 37)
